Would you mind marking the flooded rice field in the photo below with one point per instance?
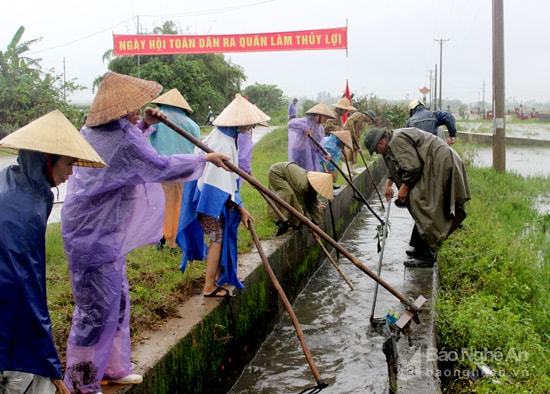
(536, 131)
(523, 160)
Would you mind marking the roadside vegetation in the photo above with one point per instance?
(492, 309)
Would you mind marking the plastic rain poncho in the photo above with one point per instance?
(210, 195)
(437, 178)
(333, 145)
(26, 341)
(289, 181)
(301, 150)
(107, 213)
(168, 142)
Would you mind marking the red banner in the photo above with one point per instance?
(151, 44)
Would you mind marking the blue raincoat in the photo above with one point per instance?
(165, 140)
(26, 341)
(332, 145)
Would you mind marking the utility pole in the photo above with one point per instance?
(434, 108)
(499, 129)
(483, 102)
(431, 89)
(441, 40)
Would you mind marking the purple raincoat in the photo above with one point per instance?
(107, 213)
(301, 150)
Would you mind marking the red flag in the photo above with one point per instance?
(348, 96)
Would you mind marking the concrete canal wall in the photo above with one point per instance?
(487, 138)
(206, 348)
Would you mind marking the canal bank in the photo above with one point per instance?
(206, 349)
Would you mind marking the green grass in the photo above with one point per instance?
(495, 278)
(495, 287)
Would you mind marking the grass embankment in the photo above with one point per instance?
(495, 286)
(495, 279)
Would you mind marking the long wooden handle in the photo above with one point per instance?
(287, 306)
(334, 263)
(356, 145)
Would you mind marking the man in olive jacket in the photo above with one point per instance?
(299, 188)
(432, 182)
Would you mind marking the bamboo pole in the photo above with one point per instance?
(320, 382)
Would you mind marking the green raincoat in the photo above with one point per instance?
(289, 181)
(437, 179)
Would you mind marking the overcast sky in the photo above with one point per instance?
(392, 44)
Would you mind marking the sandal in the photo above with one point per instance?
(216, 293)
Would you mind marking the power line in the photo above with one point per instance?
(185, 14)
(82, 38)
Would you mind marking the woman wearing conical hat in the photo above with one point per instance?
(301, 150)
(356, 123)
(335, 144)
(168, 142)
(48, 147)
(212, 205)
(106, 214)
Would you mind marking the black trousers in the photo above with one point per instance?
(422, 250)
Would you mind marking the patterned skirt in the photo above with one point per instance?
(212, 227)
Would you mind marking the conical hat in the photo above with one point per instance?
(118, 95)
(174, 98)
(344, 103)
(321, 182)
(240, 112)
(321, 109)
(54, 133)
(344, 136)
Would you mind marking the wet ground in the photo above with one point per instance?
(335, 320)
